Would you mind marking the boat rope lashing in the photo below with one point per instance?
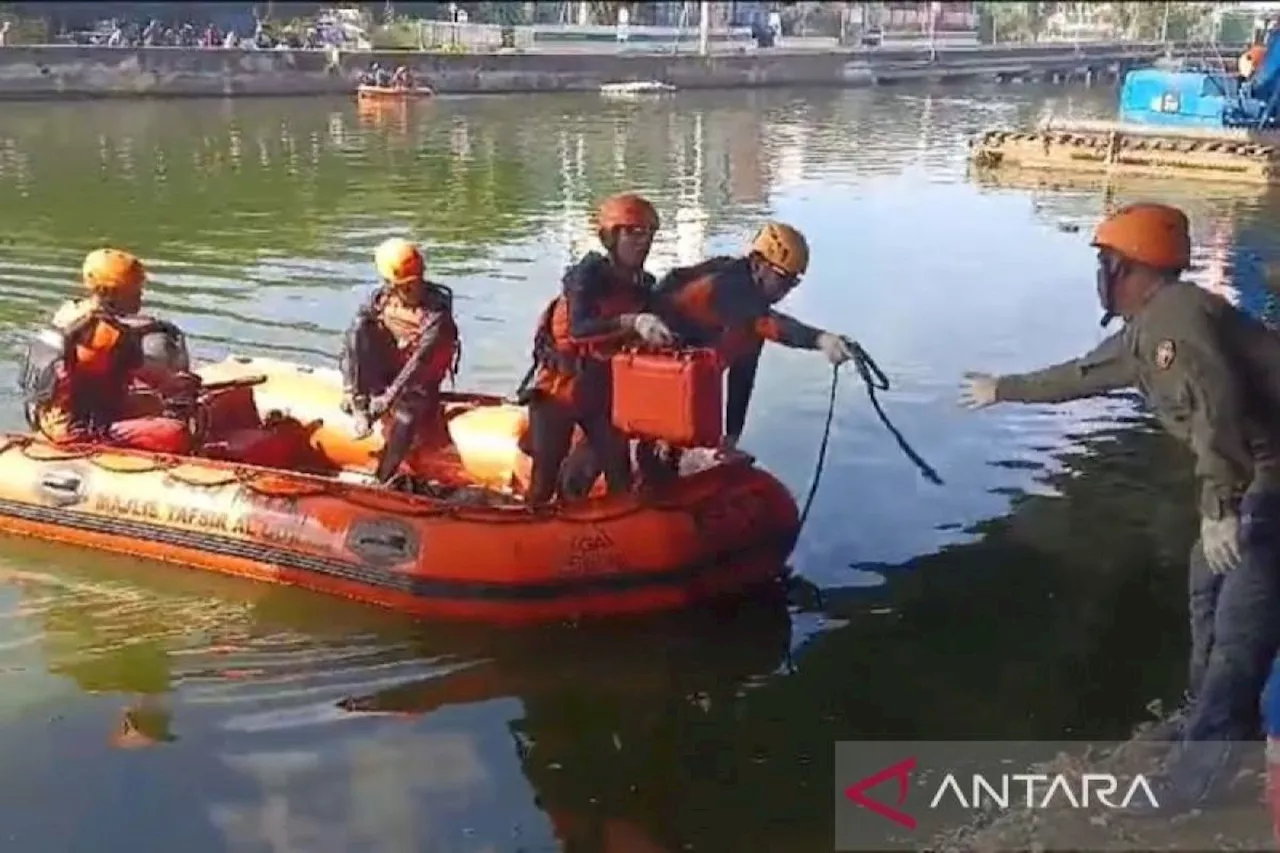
(875, 380)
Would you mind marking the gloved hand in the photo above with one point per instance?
(70, 316)
(978, 391)
(837, 348)
(363, 423)
(358, 407)
(651, 329)
(352, 402)
(378, 406)
(1220, 539)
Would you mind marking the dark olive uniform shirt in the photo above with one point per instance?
(1209, 372)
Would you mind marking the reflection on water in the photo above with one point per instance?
(1038, 594)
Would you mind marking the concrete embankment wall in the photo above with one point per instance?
(31, 72)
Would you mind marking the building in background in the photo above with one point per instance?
(909, 24)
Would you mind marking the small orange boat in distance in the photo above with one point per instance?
(461, 544)
(393, 93)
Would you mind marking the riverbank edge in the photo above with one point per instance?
(1243, 823)
(80, 71)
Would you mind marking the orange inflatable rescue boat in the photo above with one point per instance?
(455, 542)
(393, 93)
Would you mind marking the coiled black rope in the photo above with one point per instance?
(875, 380)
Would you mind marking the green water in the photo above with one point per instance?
(1037, 595)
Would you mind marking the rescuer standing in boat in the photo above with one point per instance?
(77, 374)
(401, 346)
(1211, 374)
(727, 303)
(603, 304)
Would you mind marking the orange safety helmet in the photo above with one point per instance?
(111, 272)
(626, 210)
(783, 247)
(1156, 235)
(400, 262)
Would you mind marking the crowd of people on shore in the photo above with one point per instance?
(155, 33)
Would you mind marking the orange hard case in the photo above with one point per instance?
(676, 396)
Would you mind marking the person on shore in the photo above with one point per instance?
(400, 348)
(1211, 374)
(603, 303)
(78, 372)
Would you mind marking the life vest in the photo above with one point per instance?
(694, 301)
(559, 358)
(387, 333)
(80, 380)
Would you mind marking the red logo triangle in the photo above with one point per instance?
(901, 771)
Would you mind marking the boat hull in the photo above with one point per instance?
(381, 93)
(717, 532)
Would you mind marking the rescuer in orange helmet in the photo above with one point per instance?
(727, 303)
(402, 345)
(603, 304)
(77, 372)
(1211, 374)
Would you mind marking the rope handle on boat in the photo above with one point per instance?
(875, 380)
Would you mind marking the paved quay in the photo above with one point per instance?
(80, 71)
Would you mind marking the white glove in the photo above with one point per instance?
(836, 348)
(363, 423)
(358, 408)
(978, 391)
(72, 315)
(652, 330)
(1220, 539)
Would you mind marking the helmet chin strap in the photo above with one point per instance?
(1107, 270)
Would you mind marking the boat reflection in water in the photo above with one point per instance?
(299, 722)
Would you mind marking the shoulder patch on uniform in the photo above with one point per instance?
(1165, 353)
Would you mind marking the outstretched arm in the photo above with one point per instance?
(1108, 367)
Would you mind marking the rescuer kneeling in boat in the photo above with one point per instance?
(1211, 374)
(78, 371)
(727, 303)
(603, 304)
(402, 345)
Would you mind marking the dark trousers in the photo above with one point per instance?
(582, 467)
(551, 426)
(1235, 634)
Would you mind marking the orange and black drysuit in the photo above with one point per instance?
(577, 334)
(397, 352)
(717, 304)
(76, 383)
